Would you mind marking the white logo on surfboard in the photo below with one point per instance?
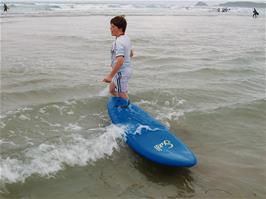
(165, 143)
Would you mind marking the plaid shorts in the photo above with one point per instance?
(121, 81)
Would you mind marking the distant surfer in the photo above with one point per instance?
(5, 8)
(121, 54)
(255, 13)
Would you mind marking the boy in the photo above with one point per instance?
(121, 54)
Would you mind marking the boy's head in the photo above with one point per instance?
(120, 22)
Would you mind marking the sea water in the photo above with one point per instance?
(129, 7)
(202, 75)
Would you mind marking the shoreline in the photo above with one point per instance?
(128, 15)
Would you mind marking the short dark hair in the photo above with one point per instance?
(120, 22)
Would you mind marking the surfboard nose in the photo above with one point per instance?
(180, 158)
(185, 160)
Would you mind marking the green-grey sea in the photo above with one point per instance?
(201, 76)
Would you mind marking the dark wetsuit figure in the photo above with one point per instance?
(5, 7)
(255, 13)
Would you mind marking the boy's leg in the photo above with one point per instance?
(123, 86)
(119, 85)
(112, 89)
(123, 95)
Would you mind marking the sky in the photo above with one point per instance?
(130, 0)
(207, 1)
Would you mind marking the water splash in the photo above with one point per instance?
(48, 158)
(104, 92)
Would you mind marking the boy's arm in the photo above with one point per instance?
(119, 62)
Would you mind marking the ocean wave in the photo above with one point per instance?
(12, 99)
(47, 158)
(168, 108)
(210, 72)
(43, 139)
(69, 133)
(112, 7)
(254, 109)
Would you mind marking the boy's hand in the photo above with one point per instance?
(107, 79)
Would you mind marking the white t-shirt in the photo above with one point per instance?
(122, 47)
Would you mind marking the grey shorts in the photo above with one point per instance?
(121, 81)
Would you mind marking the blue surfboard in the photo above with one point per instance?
(147, 136)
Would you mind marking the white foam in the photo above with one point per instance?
(2, 116)
(141, 127)
(74, 127)
(176, 101)
(174, 115)
(169, 115)
(153, 102)
(168, 7)
(2, 124)
(42, 110)
(166, 103)
(23, 117)
(47, 159)
(50, 124)
(70, 112)
(71, 102)
(6, 142)
(60, 108)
